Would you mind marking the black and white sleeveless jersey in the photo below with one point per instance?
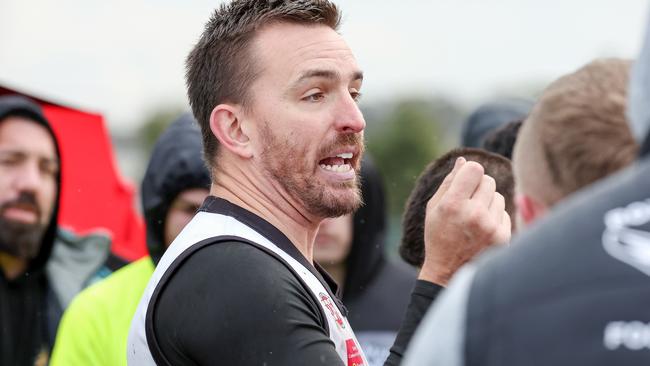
(233, 290)
(574, 289)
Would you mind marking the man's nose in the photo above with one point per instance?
(29, 177)
(349, 118)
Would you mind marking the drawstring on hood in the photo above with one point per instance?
(176, 165)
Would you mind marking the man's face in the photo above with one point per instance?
(334, 239)
(181, 211)
(308, 127)
(28, 185)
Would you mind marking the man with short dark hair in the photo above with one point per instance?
(411, 248)
(502, 140)
(29, 192)
(274, 86)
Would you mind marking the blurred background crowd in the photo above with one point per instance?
(429, 64)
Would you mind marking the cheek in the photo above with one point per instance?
(175, 223)
(4, 187)
(48, 198)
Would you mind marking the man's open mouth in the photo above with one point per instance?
(340, 163)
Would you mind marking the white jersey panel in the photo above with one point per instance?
(207, 225)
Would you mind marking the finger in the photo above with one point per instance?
(466, 181)
(497, 206)
(444, 186)
(485, 191)
(505, 230)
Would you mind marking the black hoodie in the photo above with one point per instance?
(176, 165)
(376, 290)
(23, 301)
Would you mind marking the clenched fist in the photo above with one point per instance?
(463, 217)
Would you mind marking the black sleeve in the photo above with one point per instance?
(423, 295)
(234, 304)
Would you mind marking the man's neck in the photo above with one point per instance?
(12, 267)
(268, 201)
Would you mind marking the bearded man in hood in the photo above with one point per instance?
(30, 181)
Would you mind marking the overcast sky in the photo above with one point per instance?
(124, 58)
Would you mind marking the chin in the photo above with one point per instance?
(338, 204)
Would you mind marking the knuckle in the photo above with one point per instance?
(488, 227)
(449, 208)
(476, 219)
(489, 182)
(498, 198)
(489, 179)
(475, 167)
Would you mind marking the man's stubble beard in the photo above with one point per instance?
(283, 163)
(21, 240)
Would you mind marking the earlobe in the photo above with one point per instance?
(528, 209)
(226, 125)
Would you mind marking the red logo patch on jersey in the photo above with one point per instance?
(354, 356)
(329, 305)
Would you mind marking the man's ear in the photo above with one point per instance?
(529, 209)
(226, 125)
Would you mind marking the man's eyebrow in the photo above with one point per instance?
(22, 154)
(11, 152)
(326, 74)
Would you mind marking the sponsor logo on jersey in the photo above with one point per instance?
(633, 336)
(329, 305)
(354, 355)
(627, 235)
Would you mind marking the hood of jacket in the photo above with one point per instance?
(14, 105)
(491, 116)
(369, 233)
(176, 165)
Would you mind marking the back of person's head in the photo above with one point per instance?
(222, 67)
(490, 116)
(576, 134)
(498, 167)
(176, 166)
(502, 140)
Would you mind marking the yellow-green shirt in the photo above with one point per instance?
(95, 327)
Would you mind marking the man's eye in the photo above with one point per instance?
(9, 161)
(356, 95)
(49, 168)
(316, 97)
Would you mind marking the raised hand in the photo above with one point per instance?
(463, 217)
